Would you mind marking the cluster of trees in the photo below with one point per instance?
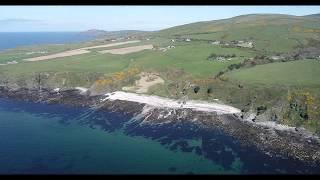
(259, 59)
(214, 56)
(235, 66)
(190, 88)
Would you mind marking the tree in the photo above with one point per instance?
(38, 80)
(230, 67)
(209, 91)
(219, 74)
(196, 89)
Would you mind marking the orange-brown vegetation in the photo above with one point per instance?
(117, 77)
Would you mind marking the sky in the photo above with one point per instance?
(113, 18)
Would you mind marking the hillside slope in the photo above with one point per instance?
(270, 32)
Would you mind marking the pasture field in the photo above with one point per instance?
(127, 50)
(26, 52)
(191, 58)
(296, 73)
(91, 62)
(18, 54)
(271, 39)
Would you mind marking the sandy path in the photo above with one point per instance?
(161, 102)
(76, 51)
(58, 55)
(127, 50)
(110, 45)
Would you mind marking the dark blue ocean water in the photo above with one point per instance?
(10, 40)
(56, 139)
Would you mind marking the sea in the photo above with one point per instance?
(9, 40)
(38, 138)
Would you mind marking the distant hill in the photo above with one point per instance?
(94, 32)
(313, 15)
(115, 34)
(125, 33)
(242, 21)
(270, 32)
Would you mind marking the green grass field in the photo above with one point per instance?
(191, 58)
(20, 53)
(92, 62)
(295, 73)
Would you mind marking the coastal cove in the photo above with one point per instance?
(214, 90)
(78, 139)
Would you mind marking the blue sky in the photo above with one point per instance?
(111, 18)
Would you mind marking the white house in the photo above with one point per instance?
(276, 57)
(215, 42)
(245, 44)
(12, 62)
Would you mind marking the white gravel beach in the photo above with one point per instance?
(161, 102)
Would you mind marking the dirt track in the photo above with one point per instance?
(110, 45)
(58, 55)
(127, 50)
(76, 51)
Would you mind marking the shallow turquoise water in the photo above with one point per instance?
(33, 143)
(55, 139)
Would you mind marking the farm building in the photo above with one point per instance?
(248, 44)
(215, 42)
(276, 57)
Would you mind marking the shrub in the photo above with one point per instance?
(196, 89)
(220, 74)
(261, 109)
(230, 67)
(223, 78)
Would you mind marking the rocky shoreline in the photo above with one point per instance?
(292, 143)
